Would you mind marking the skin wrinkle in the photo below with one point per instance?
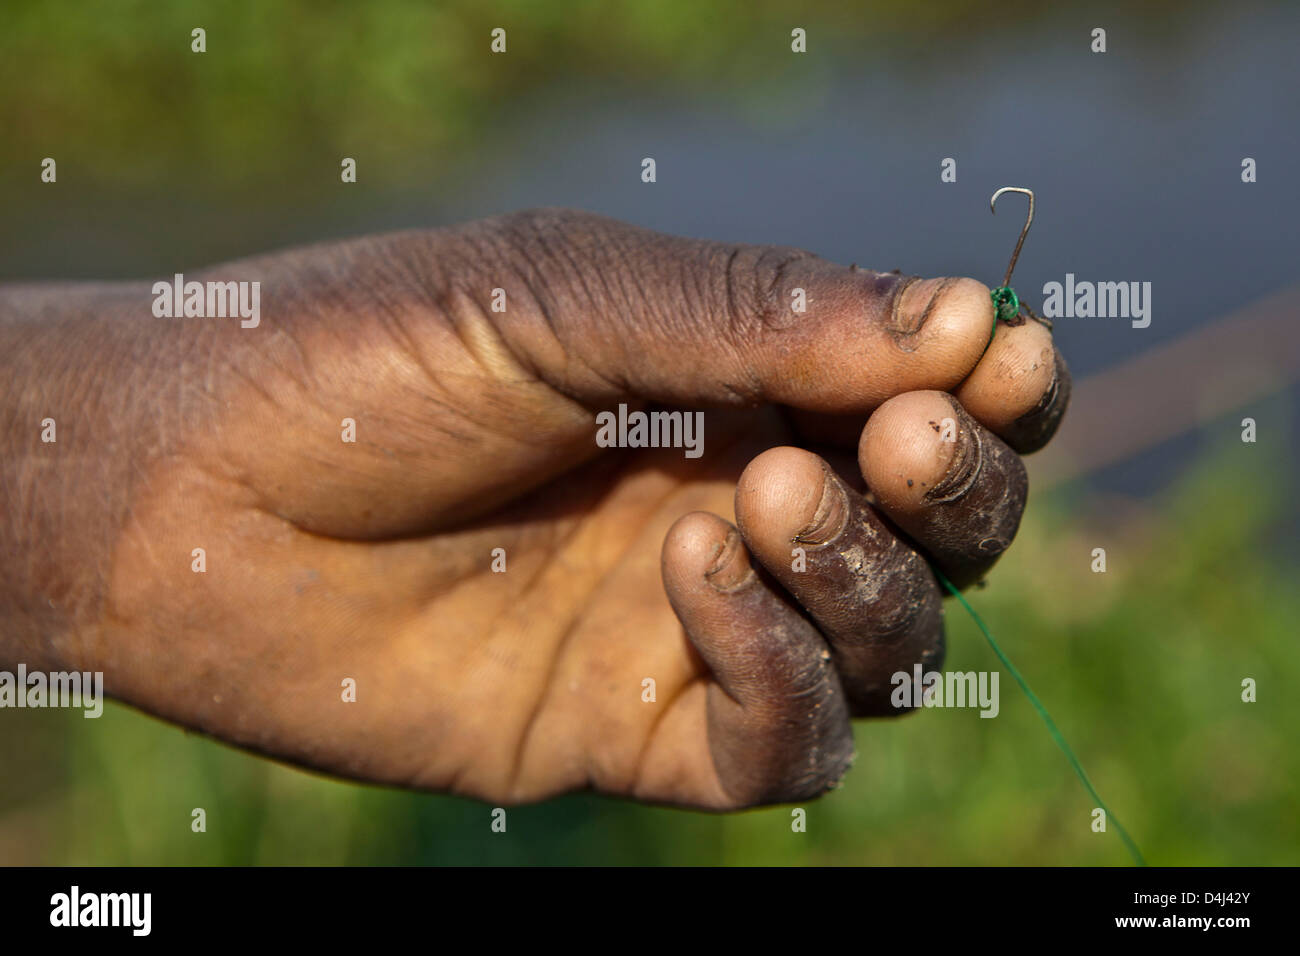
(573, 272)
(252, 383)
(521, 247)
(803, 680)
(625, 272)
(531, 358)
(206, 462)
(938, 296)
(896, 323)
(432, 288)
(744, 397)
(609, 299)
(650, 512)
(907, 334)
(571, 627)
(739, 340)
(619, 303)
(530, 278)
(770, 302)
(395, 322)
(490, 420)
(700, 288)
(302, 377)
(547, 307)
(132, 533)
(729, 271)
(574, 623)
(464, 320)
(629, 272)
(389, 315)
(396, 328)
(555, 543)
(638, 768)
(394, 300)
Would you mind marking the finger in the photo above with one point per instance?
(777, 720)
(606, 310)
(1019, 391)
(953, 486)
(870, 593)
(1020, 388)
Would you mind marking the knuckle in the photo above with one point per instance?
(903, 602)
(885, 586)
(757, 298)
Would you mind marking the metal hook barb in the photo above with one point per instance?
(993, 203)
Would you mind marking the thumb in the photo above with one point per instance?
(460, 406)
(601, 310)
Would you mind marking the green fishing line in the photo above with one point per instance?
(1047, 719)
(1006, 306)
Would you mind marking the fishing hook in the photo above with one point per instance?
(993, 203)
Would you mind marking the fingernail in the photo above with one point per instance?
(964, 467)
(731, 567)
(1031, 431)
(916, 303)
(829, 519)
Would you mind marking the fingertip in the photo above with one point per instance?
(946, 323)
(908, 447)
(777, 720)
(955, 488)
(784, 495)
(702, 548)
(1020, 388)
(1034, 429)
(1011, 377)
(866, 336)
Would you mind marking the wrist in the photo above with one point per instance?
(66, 426)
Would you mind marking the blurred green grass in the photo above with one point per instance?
(115, 93)
(1140, 666)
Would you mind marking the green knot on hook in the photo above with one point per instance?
(1006, 304)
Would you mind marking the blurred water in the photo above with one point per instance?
(1134, 154)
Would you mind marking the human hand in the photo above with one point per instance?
(327, 560)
